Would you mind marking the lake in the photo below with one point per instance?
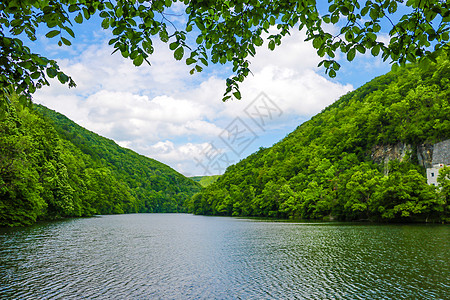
(180, 256)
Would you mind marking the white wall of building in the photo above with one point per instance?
(432, 174)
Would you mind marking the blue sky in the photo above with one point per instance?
(179, 119)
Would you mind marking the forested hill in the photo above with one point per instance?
(325, 169)
(51, 167)
(205, 180)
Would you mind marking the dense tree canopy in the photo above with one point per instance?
(51, 167)
(327, 167)
(221, 31)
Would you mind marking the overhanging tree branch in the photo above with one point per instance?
(225, 31)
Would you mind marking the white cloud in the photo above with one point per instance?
(167, 149)
(302, 93)
(289, 77)
(163, 112)
(293, 53)
(171, 153)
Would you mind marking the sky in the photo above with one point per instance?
(163, 112)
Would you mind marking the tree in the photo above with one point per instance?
(224, 31)
(20, 199)
(331, 167)
(444, 187)
(360, 189)
(405, 194)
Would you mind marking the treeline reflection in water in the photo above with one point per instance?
(176, 256)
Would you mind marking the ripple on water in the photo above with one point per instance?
(194, 257)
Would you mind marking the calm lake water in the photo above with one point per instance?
(176, 256)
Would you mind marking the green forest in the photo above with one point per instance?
(205, 180)
(52, 168)
(325, 170)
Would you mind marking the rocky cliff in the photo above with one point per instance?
(427, 154)
(441, 153)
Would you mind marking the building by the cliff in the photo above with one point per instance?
(441, 158)
(432, 174)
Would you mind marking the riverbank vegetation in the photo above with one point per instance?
(326, 169)
(52, 168)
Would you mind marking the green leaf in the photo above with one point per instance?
(66, 41)
(374, 14)
(163, 35)
(190, 61)
(198, 68)
(178, 54)
(69, 31)
(376, 27)
(272, 20)
(351, 54)
(375, 50)
(258, 41)
(105, 23)
(109, 5)
(73, 8)
(134, 54)
(204, 61)
(119, 11)
(372, 36)
(138, 60)
(317, 42)
(200, 26)
(52, 33)
(332, 73)
(174, 45)
(365, 10)
(63, 78)
(332, 8)
(35, 75)
(334, 18)
(361, 49)
(79, 18)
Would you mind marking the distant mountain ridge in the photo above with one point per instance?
(325, 169)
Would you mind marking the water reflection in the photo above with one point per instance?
(150, 256)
